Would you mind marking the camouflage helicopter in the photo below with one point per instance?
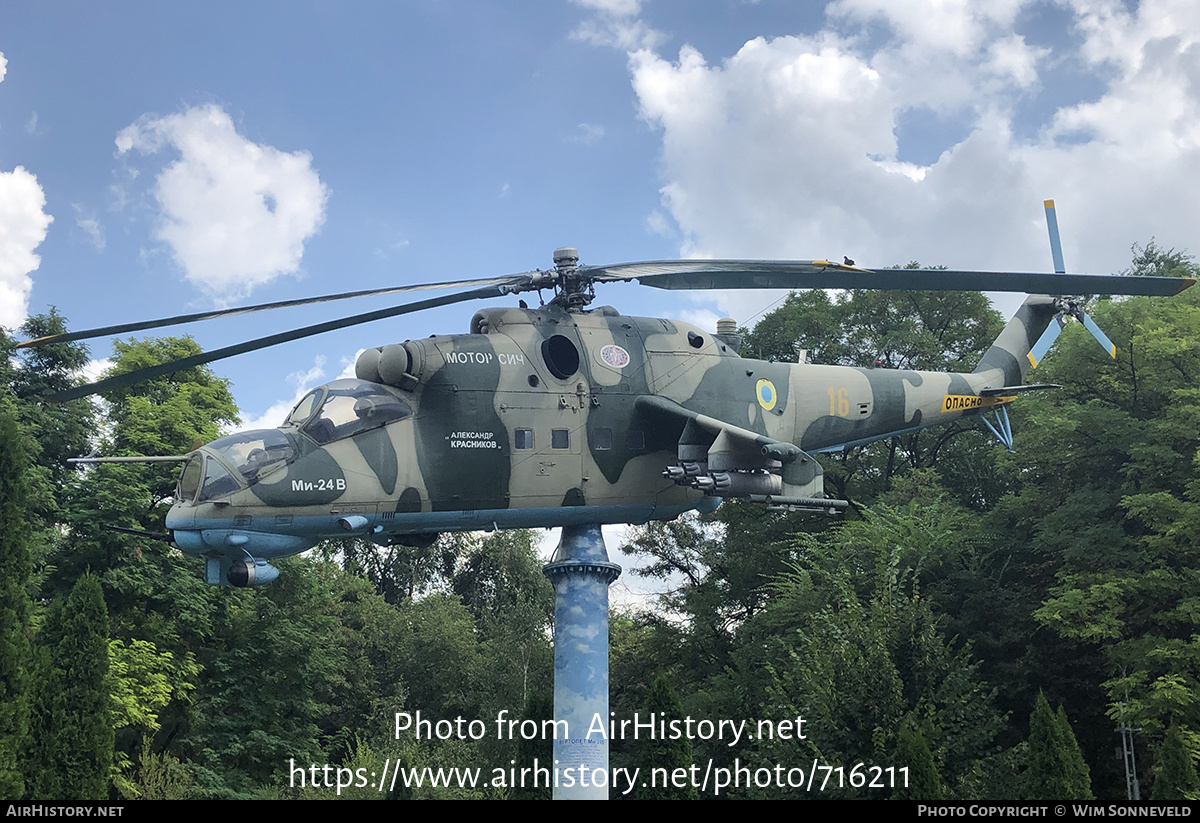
(565, 415)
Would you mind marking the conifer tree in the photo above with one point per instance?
(912, 752)
(1079, 777)
(1056, 770)
(664, 706)
(1174, 773)
(15, 659)
(72, 749)
(539, 707)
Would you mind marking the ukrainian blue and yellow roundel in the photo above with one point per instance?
(766, 394)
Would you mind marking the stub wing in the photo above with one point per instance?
(724, 460)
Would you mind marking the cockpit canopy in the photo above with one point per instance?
(250, 454)
(332, 412)
(346, 407)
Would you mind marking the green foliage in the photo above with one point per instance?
(438, 644)
(1056, 770)
(1079, 777)
(276, 665)
(399, 571)
(165, 415)
(72, 751)
(158, 776)
(854, 647)
(663, 753)
(141, 683)
(539, 749)
(912, 752)
(1111, 494)
(15, 568)
(1175, 768)
(931, 330)
(62, 430)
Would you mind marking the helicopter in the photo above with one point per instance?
(568, 415)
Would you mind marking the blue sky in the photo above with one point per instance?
(161, 158)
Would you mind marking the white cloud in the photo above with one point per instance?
(793, 147)
(617, 8)
(587, 133)
(955, 26)
(304, 381)
(1012, 57)
(90, 226)
(748, 144)
(657, 223)
(348, 365)
(23, 225)
(235, 213)
(616, 24)
(703, 319)
(95, 369)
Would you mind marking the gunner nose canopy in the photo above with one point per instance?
(225, 465)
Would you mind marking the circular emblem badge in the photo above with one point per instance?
(614, 356)
(767, 395)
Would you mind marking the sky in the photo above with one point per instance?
(161, 158)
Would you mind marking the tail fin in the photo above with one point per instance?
(1009, 355)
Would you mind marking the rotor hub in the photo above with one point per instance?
(573, 290)
(566, 257)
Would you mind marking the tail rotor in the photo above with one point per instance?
(1067, 306)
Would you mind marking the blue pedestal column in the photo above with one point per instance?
(581, 575)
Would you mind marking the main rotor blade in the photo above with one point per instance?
(825, 274)
(129, 378)
(512, 279)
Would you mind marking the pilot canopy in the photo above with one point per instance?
(346, 407)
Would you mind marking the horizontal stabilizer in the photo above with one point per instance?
(1004, 390)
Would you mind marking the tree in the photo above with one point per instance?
(280, 667)
(142, 681)
(1056, 770)
(850, 642)
(912, 752)
(72, 746)
(63, 430)
(1175, 772)
(1108, 512)
(663, 753)
(15, 567)
(538, 749)
(1079, 777)
(156, 598)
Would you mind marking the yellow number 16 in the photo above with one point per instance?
(839, 402)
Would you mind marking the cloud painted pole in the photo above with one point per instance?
(581, 574)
